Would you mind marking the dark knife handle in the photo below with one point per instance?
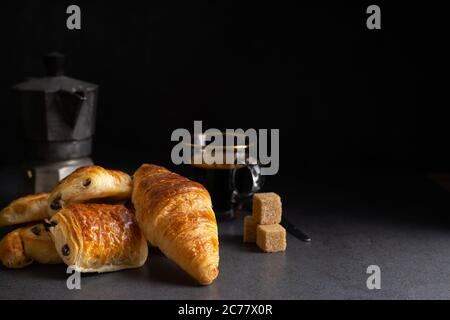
(292, 229)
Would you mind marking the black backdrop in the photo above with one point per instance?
(344, 97)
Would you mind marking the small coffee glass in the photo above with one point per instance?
(229, 172)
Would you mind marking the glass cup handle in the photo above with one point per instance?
(257, 183)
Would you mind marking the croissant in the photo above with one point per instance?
(22, 246)
(26, 209)
(175, 214)
(98, 237)
(87, 184)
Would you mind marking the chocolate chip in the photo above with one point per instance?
(51, 224)
(56, 203)
(65, 250)
(36, 230)
(87, 182)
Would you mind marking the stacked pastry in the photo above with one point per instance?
(89, 223)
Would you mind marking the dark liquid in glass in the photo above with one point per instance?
(216, 179)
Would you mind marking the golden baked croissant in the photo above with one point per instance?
(24, 245)
(87, 184)
(25, 209)
(176, 215)
(98, 237)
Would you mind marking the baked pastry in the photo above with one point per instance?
(176, 215)
(26, 209)
(22, 246)
(98, 237)
(12, 253)
(38, 245)
(89, 184)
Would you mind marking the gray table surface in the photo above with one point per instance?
(412, 250)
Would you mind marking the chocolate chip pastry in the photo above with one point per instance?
(98, 237)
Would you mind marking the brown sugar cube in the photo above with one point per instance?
(271, 238)
(250, 229)
(267, 208)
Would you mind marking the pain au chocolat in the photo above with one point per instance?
(22, 246)
(25, 209)
(90, 184)
(98, 237)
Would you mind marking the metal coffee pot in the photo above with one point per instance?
(58, 123)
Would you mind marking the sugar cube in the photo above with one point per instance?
(271, 238)
(267, 208)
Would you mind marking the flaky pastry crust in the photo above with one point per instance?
(25, 209)
(98, 237)
(176, 215)
(90, 184)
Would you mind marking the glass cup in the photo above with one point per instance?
(230, 184)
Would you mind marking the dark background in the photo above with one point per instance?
(345, 98)
(362, 115)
